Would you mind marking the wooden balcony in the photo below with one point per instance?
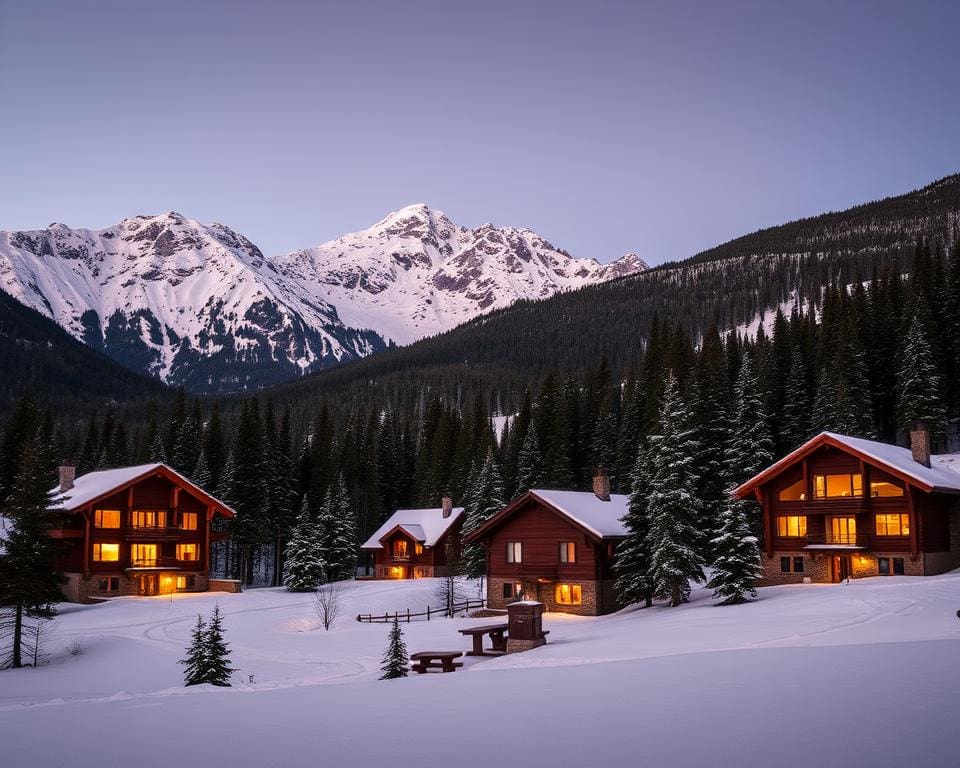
(840, 541)
(164, 562)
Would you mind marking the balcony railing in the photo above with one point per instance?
(838, 540)
(162, 562)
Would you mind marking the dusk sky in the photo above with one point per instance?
(660, 128)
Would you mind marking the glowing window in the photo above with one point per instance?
(106, 553)
(106, 518)
(186, 551)
(400, 548)
(514, 552)
(793, 492)
(792, 526)
(884, 489)
(837, 486)
(843, 530)
(186, 583)
(188, 521)
(144, 555)
(568, 552)
(893, 525)
(149, 518)
(569, 594)
(418, 548)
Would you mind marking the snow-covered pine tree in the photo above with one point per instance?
(201, 472)
(483, 502)
(157, 451)
(395, 659)
(672, 504)
(748, 450)
(218, 669)
(633, 554)
(339, 532)
(529, 461)
(795, 423)
(919, 393)
(196, 659)
(304, 565)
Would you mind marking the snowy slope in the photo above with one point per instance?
(416, 273)
(188, 302)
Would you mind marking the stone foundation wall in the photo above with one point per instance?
(234, 586)
(546, 594)
(817, 566)
(81, 589)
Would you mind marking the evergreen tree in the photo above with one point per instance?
(395, 659)
(304, 565)
(633, 554)
(29, 583)
(795, 422)
(201, 472)
(483, 502)
(529, 464)
(339, 533)
(217, 653)
(196, 658)
(672, 504)
(919, 383)
(157, 452)
(737, 563)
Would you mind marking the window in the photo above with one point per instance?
(186, 551)
(188, 521)
(569, 594)
(514, 552)
(795, 492)
(512, 591)
(791, 564)
(106, 518)
(843, 530)
(882, 489)
(898, 566)
(400, 549)
(837, 486)
(186, 583)
(149, 518)
(893, 525)
(883, 566)
(109, 584)
(144, 555)
(106, 553)
(418, 548)
(792, 526)
(568, 552)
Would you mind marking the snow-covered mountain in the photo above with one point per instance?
(416, 273)
(200, 305)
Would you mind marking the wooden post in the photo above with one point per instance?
(428, 613)
(914, 533)
(87, 549)
(408, 615)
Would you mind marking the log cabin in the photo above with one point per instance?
(841, 507)
(143, 530)
(412, 543)
(555, 547)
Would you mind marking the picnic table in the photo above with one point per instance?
(497, 639)
(442, 660)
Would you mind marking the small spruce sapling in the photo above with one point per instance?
(395, 659)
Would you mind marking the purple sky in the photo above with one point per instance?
(662, 128)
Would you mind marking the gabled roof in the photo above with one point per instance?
(94, 486)
(426, 526)
(595, 517)
(943, 474)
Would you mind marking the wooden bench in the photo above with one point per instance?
(498, 639)
(442, 660)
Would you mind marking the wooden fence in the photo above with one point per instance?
(408, 616)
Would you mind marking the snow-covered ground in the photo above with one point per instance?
(826, 675)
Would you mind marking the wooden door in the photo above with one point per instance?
(147, 585)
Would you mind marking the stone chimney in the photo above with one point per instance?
(68, 473)
(920, 442)
(446, 503)
(601, 484)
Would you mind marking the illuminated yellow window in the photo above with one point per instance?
(400, 548)
(188, 521)
(149, 518)
(837, 486)
(794, 492)
(106, 518)
(186, 551)
(186, 583)
(568, 552)
(419, 548)
(569, 594)
(843, 530)
(144, 555)
(884, 489)
(893, 525)
(792, 526)
(106, 553)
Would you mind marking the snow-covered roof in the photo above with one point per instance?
(943, 474)
(602, 518)
(424, 525)
(94, 485)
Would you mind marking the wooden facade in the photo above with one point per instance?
(149, 534)
(537, 552)
(834, 510)
(413, 543)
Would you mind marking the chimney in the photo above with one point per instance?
(447, 505)
(920, 442)
(601, 484)
(68, 473)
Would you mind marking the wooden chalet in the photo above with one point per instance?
(143, 530)
(556, 547)
(412, 543)
(842, 507)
